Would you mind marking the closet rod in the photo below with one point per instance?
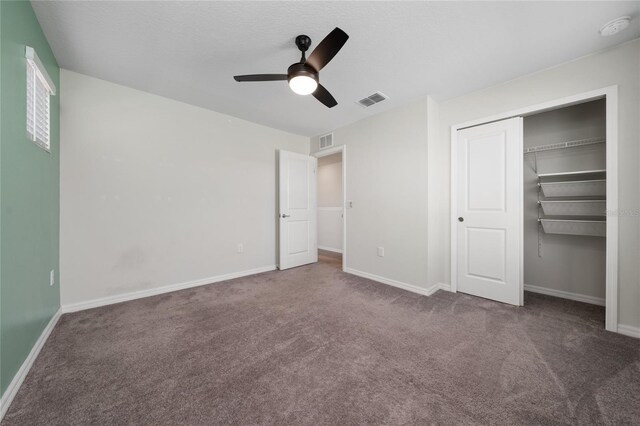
(563, 145)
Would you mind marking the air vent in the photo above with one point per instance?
(372, 100)
(326, 141)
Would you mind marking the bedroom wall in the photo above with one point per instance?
(29, 185)
(387, 185)
(618, 66)
(155, 192)
(330, 202)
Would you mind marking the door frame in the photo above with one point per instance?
(330, 151)
(610, 94)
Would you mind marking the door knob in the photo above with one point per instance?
(461, 219)
(285, 215)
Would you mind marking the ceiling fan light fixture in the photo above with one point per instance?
(303, 85)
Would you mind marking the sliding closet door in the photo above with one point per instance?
(489, 216)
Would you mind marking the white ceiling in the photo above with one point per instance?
(189, 51)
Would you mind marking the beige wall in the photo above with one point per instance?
(156, 192)
(330, 181)
(619, 66)
(330, 202)
(387, 184)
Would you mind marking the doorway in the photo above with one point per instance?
(591, 155)
(331, 206)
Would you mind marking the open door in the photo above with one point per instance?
(298, 212)
(489, 216)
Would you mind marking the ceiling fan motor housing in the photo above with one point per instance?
(298, 69)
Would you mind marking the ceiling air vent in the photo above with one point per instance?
(372, 100)
(326, 141)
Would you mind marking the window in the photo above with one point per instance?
(39, 89)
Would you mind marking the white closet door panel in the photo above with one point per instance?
(490, 210)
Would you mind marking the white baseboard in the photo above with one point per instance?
(110, 300)
(445, 287)
(629, 330)
(409, 287)
(15, 384)
(335, 250)
(600, 301)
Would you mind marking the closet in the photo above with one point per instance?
(565, 202)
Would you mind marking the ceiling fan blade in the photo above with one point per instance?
(327, 49)
(324, 96)
(260, 77)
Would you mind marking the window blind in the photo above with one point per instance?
(39, 90)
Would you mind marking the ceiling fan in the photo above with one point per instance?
(304, 76)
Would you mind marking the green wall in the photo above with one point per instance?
(29, 196)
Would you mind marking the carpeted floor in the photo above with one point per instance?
(313, 346)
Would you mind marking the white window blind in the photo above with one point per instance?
(39, 89)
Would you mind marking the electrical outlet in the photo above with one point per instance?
(380, 251)
(240, 248)
(52, 277)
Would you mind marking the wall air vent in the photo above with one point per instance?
(326, 141)
(372, 100)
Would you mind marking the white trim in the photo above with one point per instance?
(20, 375)
(521, 210)
(324, 153)
(629, 330)
(610, 93)
(611, 313)
(124, 297)
(444, 287)
(600, 301)
(409, 287)
(542, 107)
(333, 249)
(453, 202)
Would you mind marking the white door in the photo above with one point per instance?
(298, 214)
(489, 217)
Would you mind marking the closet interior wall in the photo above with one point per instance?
(568, 263)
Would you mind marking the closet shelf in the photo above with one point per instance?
(580, 188)
(574, 173)
(574, 208)
(562, 145)
(594, 228)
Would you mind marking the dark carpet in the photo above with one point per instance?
(313, 346)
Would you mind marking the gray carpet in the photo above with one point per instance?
(313, 346)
